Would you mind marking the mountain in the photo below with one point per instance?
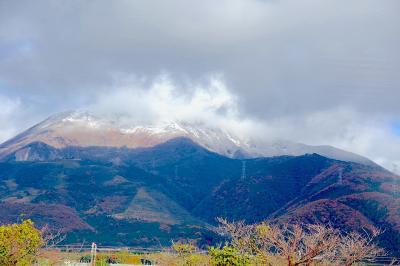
(148, 195)
(83, 129)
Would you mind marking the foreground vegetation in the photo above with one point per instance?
(19, 244)
(259, 244)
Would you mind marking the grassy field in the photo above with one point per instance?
(56, 257)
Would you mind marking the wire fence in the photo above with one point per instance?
(79, 248)
(87, 248)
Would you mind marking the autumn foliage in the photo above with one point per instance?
(296, 245)
(19, 244)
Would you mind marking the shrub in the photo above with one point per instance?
(105, 259)
(301, 244)
(19, 244)
(85, 258)
(227, 256)
(128, 258)
(183, 248)
(186, 255)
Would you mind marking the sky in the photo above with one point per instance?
(316, 72)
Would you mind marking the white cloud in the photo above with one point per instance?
(134, 101)
(370, 135)
(9, 111)
(319, 72)
(209, 102)
(280, 56)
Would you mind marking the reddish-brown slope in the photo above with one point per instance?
(55, 215)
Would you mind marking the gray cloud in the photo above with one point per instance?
(321, 72)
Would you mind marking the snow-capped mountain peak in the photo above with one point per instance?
(83, 129)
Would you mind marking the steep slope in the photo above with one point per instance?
(311, 189)
(145, 196)
(82, 129)
(153, 206)
(122, 204)
(269, 184)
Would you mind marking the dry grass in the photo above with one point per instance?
(170, 259)
(56, 257)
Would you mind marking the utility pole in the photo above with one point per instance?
(93, 254)
(340, 179)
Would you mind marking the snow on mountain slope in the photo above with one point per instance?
(79, 128)
(84, 129)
